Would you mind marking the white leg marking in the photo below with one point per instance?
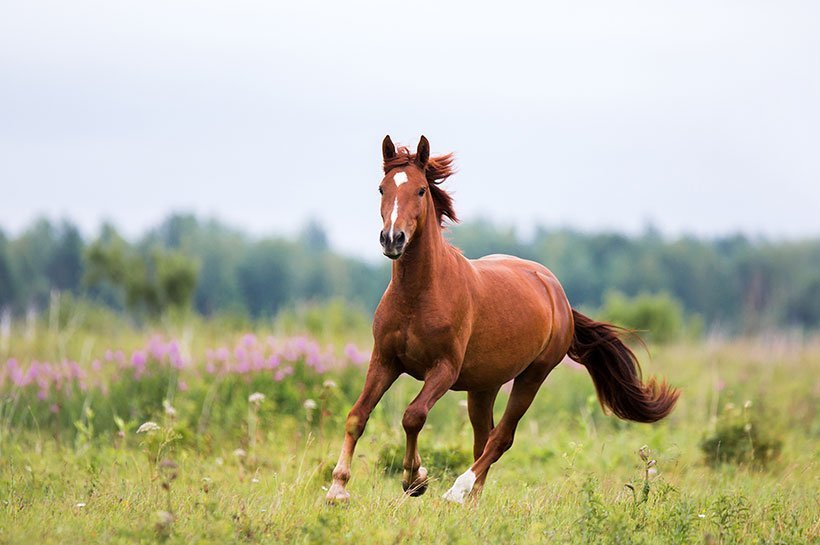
(400, 178)
(462, 487)
(394, 216)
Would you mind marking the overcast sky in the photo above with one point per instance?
(700, 117)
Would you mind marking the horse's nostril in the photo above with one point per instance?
(400, 238)
(382, 238)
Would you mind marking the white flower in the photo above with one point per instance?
(748, 404)
(256, 398)
(329, 384)
(163, 519)
(644, 453)
(701, 516)
(240, 453)
(309, 405)
(148, 427)
(169, 410)
(254, 480)
(80, 505)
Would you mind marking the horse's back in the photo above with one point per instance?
(508, 268)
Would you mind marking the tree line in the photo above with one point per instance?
(737, 283)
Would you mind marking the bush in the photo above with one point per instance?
(657, 317)
(741, 439)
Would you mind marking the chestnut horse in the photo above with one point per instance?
(461, 324)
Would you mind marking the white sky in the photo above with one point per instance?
(701, 117)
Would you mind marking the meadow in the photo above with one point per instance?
(190, 431)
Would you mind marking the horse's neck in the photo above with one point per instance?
(426, 261)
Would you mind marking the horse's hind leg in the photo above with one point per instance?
(436, 383)
(480, 408)
(525, 387)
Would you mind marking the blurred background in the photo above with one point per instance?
(189, 263)
(223, 158)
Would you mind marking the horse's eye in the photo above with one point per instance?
(381, 191)
(421, 192)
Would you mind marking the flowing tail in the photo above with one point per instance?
(616, 373)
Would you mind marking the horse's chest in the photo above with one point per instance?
(419, 346)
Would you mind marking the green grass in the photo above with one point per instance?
(564, 480)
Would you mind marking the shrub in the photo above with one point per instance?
(657, 317)
(739, 438)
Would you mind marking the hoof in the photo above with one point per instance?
(461, 488)
(417, 487)
(337, 494)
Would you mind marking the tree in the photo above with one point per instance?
(64, 267)
(152, 282)
(8, 282)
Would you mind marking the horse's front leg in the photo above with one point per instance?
(381, 375)
(436, 383)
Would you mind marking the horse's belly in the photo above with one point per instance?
(498, 354)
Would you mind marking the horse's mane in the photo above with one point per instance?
(438, 169)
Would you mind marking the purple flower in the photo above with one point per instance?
(282, 373)
(139, 358)
(177, 360)
(355, 355)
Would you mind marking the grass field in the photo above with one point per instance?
(221, 469)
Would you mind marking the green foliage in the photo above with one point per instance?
(729, 514)
(657, 318)
(152, 282)
(741, 437)
(736, 283)
(440, 460)
(224, 469)
(43, 258)
(8, 281)
(335, 318)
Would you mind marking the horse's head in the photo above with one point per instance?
(406, 201)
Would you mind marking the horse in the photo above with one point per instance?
(460, 324)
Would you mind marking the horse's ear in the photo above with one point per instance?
(388, 149)
(423, 152)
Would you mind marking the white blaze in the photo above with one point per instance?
(400, 178)
(394, 216)
(462, 487)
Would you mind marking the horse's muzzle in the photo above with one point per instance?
(392, 243)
